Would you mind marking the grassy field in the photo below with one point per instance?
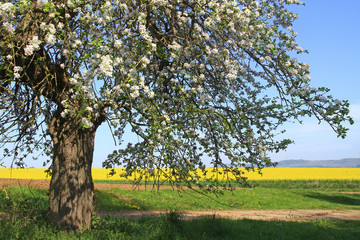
(23, 213)
(301, 194)
(254, 198)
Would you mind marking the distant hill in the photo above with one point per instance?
(343, 163)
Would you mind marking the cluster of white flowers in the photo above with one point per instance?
(73, 81)
(50, 29)
(150, 93)
(76, 43)
(34, 45)
(65, 113)
(134, 91)
(6, 15)
(266, 58)
(175, 46)
(86, 123)
(106, 66)
(160, 2)
(9, 27)
(17, 70)
(142, 28)
(50, 39)
(118, 43)
(5, 9)
(232, 68)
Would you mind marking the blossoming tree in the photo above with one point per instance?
(193, 79)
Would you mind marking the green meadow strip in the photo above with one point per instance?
(249, 198)
(166, 199)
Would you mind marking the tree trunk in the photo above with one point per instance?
(71, 193)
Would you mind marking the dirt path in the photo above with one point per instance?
(266, 215)
(278, 214)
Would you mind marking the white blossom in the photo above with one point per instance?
(268, 58)
(50, 38)
(151, 94)
(29, 50)
(87, 123)
(9, 27)
(73, 81)
(106, 66)
(34, 45)
(5, 11)
(64, 113)
(17, 75)
(17, 70)
(117, 43)
(231, 76)
(134, 91)
(60, 25)
(76, 43)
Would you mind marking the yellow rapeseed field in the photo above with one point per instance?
(268, 174)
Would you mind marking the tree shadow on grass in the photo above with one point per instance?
(352, 200)
(106, 201)
(215, 228)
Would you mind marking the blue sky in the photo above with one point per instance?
(329, 30)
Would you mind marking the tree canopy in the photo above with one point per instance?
(193, 79)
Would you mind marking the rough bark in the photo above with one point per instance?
(71, 193)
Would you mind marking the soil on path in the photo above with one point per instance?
(265, 215)
(268, 215)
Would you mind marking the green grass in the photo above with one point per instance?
(171, 227)
(167, 199)
(248, 198)
(331, 185)
(248, 229)
(23, 213)
(251, 198)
